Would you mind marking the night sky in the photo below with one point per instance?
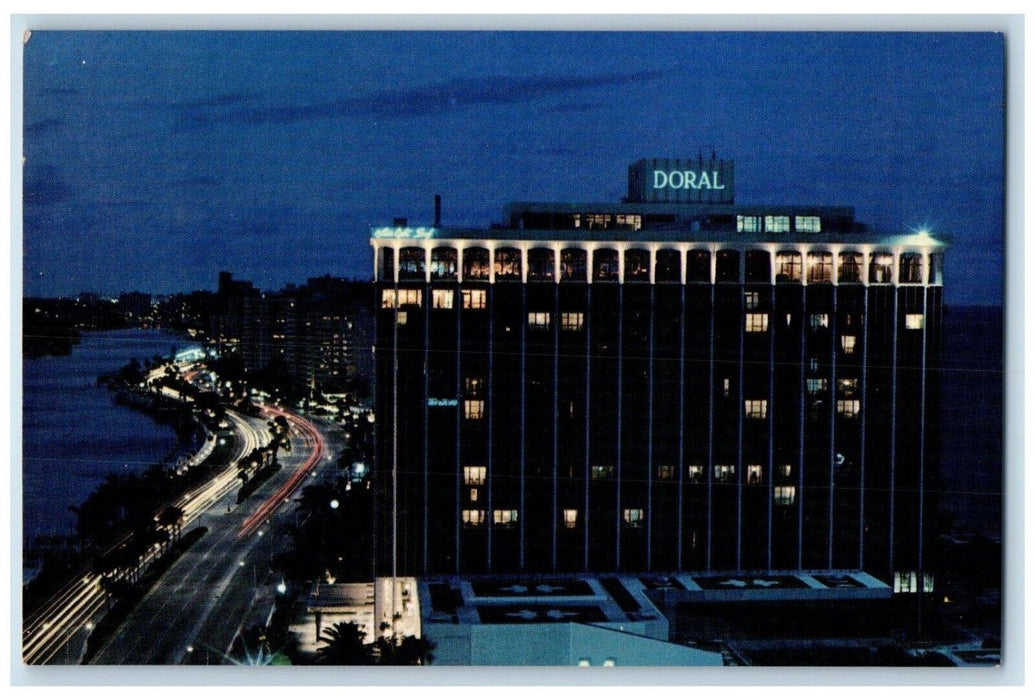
(153, 160)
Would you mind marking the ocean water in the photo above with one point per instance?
(74, 434)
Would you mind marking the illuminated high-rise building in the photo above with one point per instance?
(671, 383)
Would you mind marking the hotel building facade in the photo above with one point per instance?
(671, 383)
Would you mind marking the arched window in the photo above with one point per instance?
(820, 267)
(911, 268)
(849, 268)
(443, 264)
(637, 265)
(386, 263)
(881, 265)
(666, 266)
(605, 265)
(507, 264)
(757, 266)
(476, 264)
(573, 265)
(788, 266)
(727, 266)
(540, 265)
(698, 266)
(411, 264)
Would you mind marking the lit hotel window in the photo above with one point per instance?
(755, 408)
(605, 265)
(508, 264)
(629, 221)
(571, 518)
(820, 267)
(783, 495)
(539, 321)
(749, 224)
(847, 387)
(474, 476)
(506, 518)
(474, 495)
(725, 387)
(411, 264)
(849, 268)
(474, 410)
(442, 298)
(388, 299)
(754, 473)
(725, 472)
(750, 300)
(443, 264)
(756, 323)
(666, 471)
(806, 224)
(778, 224)
(602, 471)
(473, 298)
(409, 297)
(474, 386)
(816, 386)
(400, 318)
(696, 473)
(880, 268)
(633, 517)
(848, 344)
(819, 321)
(914, 322)
(788, 267)
(571, 321)
(787, 470)
(472, 518)
(476, 264)
(849, 408)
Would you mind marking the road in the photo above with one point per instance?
(55, 633)
(195, 610)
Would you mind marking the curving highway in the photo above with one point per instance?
(55, 632)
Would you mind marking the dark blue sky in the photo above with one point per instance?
(154, 160)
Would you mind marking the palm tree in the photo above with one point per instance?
(171, 518)
(343, 646)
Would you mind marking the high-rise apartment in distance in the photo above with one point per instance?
(671, 383)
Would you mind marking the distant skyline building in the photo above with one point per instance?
(675, 382)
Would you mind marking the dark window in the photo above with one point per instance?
(540, 265)
(573, 265)
(727, 266)
(605, 265)
(757, 266)
(476, 264)
(637, 265)
(698, 266)
(911, 268)
(387, 263)
(443, 264)
(666, 267)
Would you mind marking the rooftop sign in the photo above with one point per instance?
(404, 232)
(681, 180)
